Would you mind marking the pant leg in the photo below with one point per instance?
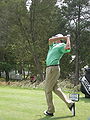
(57, 90)
(52, 74)
(59, 93)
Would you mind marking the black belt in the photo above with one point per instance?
(53, 65)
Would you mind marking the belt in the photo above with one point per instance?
(53, 65)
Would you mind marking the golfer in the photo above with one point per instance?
(57, 49)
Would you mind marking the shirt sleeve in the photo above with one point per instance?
(50, 46)
(65, 50)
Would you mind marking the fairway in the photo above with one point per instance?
(29, 104)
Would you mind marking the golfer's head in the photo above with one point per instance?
(63, 41)
(60, 41)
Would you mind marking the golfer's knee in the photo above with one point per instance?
(56, 89)
(48, 90)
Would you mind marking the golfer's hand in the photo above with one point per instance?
(68, 35)
(68, 46)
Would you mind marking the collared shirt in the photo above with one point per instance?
(55, 53)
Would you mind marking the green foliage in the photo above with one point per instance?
(5, 66)
(76, 14)
(24, 35)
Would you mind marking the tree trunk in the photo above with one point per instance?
(77, 48)
(20, 68)
(76, 69)
(34, 38)
(24, 73)
(7, 76)
(38, 67)
(0, 73)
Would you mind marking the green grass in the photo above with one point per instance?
(29, 104)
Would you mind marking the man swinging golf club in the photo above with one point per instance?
(57, 48)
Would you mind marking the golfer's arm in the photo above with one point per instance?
(51, 40)
(68, 44)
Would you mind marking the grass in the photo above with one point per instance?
(29, 104)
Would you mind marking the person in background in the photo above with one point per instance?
(57, 48)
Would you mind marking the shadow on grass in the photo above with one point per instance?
(55, 118)
(87, 100)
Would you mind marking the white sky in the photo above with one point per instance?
(29, 2)
(59, 3)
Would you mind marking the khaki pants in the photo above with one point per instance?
(51, 84)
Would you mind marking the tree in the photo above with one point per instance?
(77, 14)
(40, 18)
(27, 32)
(5, 63)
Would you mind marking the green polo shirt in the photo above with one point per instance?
(55, 53)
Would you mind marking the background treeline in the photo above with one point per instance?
(24, 35)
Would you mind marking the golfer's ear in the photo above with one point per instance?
(50, 42)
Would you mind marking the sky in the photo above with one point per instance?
(29, 2)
